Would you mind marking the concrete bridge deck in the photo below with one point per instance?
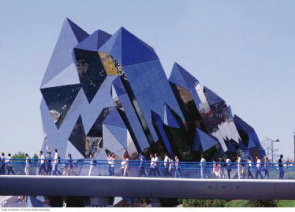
(104, 186)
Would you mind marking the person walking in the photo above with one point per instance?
(41, 164)
(228, 167)
(266, 167)
(156, 164)
(152, 166)
(9, 164)
(215, 169)
(91, 164)
(27, 167)
(142, 171)
(258, 168)
(123, 162)
(2, 168)
(171, 168)
(112, 161)
(281, 167)
(166, 165)
(221, 168)
(55, 162)
(70, 165)
(239, 167)
(49, 163)
(203, 167)
(177, 172)
(249, 168)
(126, 167)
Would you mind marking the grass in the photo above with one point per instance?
(237, 203)
(286, 203)
(245, 203)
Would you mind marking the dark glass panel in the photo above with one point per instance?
(91, 71)
(59, 100)
(78, 137)
(94, 140)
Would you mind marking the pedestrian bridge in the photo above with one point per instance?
(114, 186)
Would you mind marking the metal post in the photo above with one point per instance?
(272, 151)
(272, 147)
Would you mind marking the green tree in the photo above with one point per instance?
(35, 158)
(19, 155)
(203, 202)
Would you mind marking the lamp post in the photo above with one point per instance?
(272, 148)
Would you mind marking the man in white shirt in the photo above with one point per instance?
(258, 168)
(41, 163)
(203, 167)
(156, 164)
(152, 166)
(55, 162)
(249, 167)
(9, 165)
(166, 165)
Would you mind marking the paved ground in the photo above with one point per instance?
(3, 199)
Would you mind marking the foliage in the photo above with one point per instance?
(19, 155)
(263, 203)
(203, 202)
(236, 203)
(35, 158)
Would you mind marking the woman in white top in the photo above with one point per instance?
(123, 163)
(126, 168)
(166, 165)
(27, 167)
(91, 164)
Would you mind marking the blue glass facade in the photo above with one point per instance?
(107, 93)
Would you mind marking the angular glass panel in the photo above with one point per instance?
(59, 100)
(91, 72)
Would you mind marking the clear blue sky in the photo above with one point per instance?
(243, 50)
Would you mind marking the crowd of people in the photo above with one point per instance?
(48, 165)
(244, 167)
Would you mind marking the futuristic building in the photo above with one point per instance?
(109, 93)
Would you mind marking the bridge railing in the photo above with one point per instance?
(136, 168)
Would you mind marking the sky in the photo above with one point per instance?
(243, 50)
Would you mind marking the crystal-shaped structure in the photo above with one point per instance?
(109, 93)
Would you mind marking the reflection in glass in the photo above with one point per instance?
(59, 100)
(91, 71)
